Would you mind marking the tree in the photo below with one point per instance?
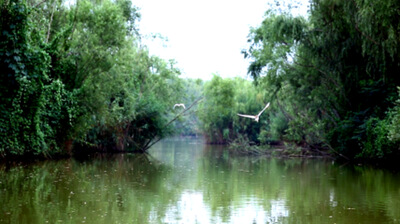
(223, 99)
(333, 75)
(78, 74)
(33, 104)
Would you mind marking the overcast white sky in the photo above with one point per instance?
(204, 37)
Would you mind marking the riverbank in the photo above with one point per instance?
(278, 149)
(281, 149)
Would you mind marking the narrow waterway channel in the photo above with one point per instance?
(186, 181)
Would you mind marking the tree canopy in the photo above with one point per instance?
(333, 75)
(79, 73)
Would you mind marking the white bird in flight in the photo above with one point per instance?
(180, 105)
(255, 117)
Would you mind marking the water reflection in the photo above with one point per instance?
(188, 182)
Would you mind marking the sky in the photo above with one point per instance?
(204, 37)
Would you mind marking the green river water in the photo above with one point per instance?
(189, 182)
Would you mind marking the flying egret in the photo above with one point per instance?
(255, 117)
(180, 105)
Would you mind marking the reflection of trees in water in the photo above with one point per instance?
(149, 188)
(234, 184)
(308, 191)
(103, 189)
(341, 194)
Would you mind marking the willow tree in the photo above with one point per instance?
(332, 75)
(124, 94)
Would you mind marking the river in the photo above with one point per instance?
(186, 181)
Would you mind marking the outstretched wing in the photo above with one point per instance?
(248, 116)
(266, 106)
(180, 105)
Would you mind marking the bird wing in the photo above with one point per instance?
(248, 116)
(266, 106)
(180, 105)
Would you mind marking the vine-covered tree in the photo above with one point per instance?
(78, 74)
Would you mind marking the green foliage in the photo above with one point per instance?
(377, 144)
(333, 76)
(35, 107)
(139, 104)
(224, 98)
(394, 126)
(278, 126)
(217, 108)
(78, 73)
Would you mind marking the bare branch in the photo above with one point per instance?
(39, 3)
(51, 21)
(150, 143)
